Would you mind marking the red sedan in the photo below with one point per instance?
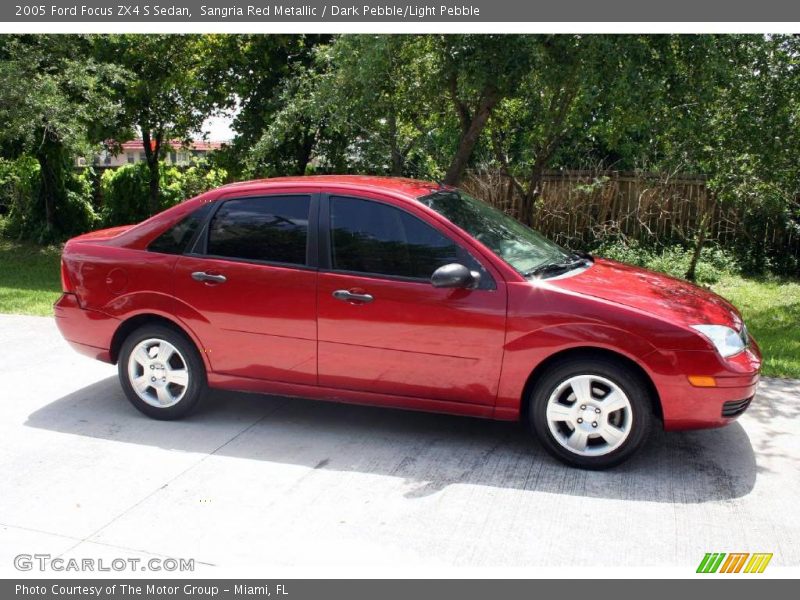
(407, 294)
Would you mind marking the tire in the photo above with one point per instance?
(591, 413)
(161, 372)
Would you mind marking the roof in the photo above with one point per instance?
(409, 187)
(203, 146)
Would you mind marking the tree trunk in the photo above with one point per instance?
(469, 137)
(52, 191)
(532, 194)
(303, 153)
(526, 208)
(152, 151)
(700, 240)
(154, 191)
(47, 190)
(396, 156)
(691, 272)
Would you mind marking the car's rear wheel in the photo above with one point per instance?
(591, 413)
(161, 372)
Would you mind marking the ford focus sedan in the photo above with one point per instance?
(405, 294)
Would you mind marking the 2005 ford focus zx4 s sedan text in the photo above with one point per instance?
(402, 293)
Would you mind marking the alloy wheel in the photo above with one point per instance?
(589, 415)
(158, 373)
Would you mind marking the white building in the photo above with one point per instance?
(132, 152)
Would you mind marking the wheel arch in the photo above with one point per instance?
(580, 352)
(134, 322)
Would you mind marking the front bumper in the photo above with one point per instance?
(685, 406)
(88, 331)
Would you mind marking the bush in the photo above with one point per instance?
(19, 184)
(673, 260)
(126, 190)
(23, 213)
(201, 177)
(125, 194)
(77, 215)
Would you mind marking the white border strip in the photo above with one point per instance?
(587, 27)
(277, 573)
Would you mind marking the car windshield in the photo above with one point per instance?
(520, 246)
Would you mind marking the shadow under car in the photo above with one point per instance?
(430, 451)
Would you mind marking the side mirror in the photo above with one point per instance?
(455, 275)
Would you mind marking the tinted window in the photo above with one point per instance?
(175, 239)
(271, 229)
(370, 237)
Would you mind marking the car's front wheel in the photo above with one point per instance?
(591, 413)
(161, 372)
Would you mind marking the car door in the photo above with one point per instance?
(383, 327)
(251, 280)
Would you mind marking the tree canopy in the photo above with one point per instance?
(427, 106)
(55, 101)
(173, 84)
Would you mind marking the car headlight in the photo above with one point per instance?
(726, 340)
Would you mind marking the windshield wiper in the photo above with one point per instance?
(577, 259)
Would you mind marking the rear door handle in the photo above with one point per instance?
(208, 277)
(352, 297)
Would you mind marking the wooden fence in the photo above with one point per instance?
(582, 207)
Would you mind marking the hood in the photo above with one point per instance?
(666, 297)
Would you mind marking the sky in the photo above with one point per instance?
(218, 129)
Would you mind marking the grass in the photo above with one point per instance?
(30, 278)
(30, 283)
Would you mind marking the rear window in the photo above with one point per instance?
(175, 239)
(270, 229)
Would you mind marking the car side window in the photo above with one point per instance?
(375, 238)
(175, 239)
(270, 229)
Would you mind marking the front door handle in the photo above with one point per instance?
(208, 277)
(352, 297)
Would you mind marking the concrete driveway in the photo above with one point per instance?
(269, 481)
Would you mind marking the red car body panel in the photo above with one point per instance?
(277, 329)
(655, 293)
(247, 329)
(449, 347)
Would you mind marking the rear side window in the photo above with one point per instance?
(175, 239)
(375, 238)
(271, 229)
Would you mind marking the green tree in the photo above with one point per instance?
(727, 107)
(401, 105)
(176, 82)
(257, 68)
(585, 98)
(55, 101)
(475, 73)
(377, 101)
(743, 134)
(362, 101)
